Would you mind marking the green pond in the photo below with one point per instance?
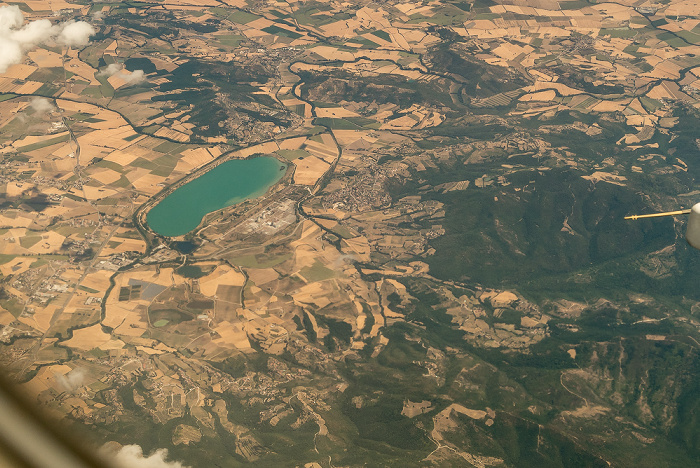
(227, 184)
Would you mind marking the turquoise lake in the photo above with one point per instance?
(227, 184)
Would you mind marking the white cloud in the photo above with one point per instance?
(131, 456)
(15, 39)
(134, 77)
(11, 17)
(111, 69)
(75, 33)
(72, 380)
(41, 105)
(34, 33)
(10, 53)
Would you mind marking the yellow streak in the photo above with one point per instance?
(656, 215)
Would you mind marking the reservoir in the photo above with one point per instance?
(227, 184)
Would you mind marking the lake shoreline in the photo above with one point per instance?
(228, 183)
